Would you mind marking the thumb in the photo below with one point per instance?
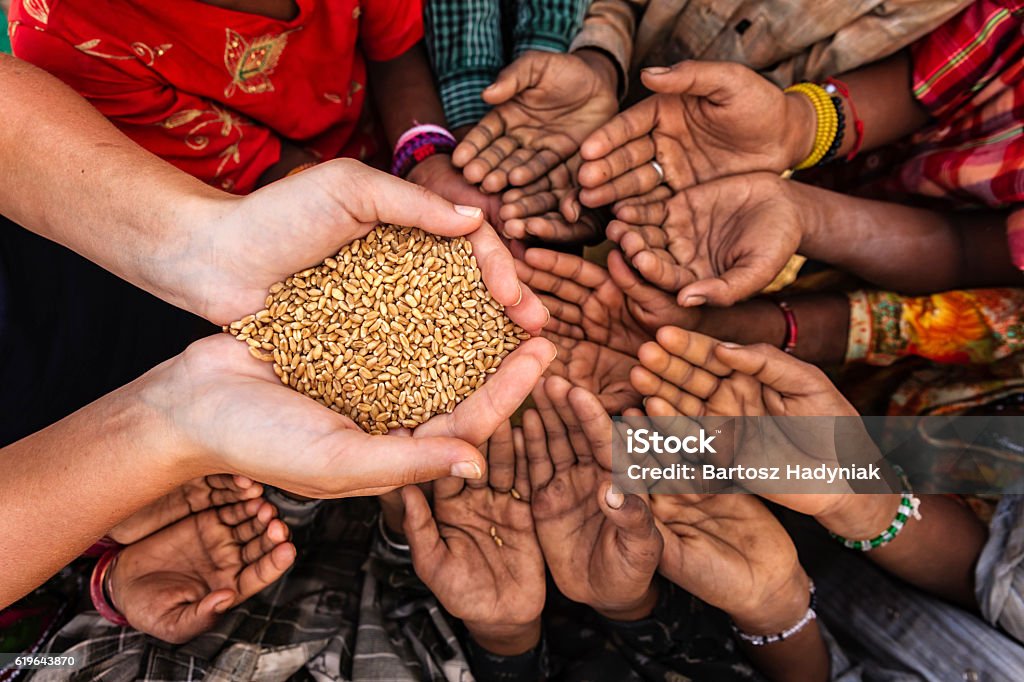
(774, 368)
(386, 199)
(420, 528)
(745, 277)
(216, 603)
(513, 79)
(714, 80)
(370, 465)
(631, 517)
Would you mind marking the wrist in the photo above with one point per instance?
(190, 266)
(859, 517)
(799, 131)
(637, 610)
(602, 65)
(159, 398)
(506, 640)
(779, 611)
(426, 170)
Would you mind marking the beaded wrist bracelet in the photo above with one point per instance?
(763, 640)
(792, 330)
(386, 537)
(840, 131)
(908, 509)
(98, 588)
(419, 143)
(827, 121)
(833, 86)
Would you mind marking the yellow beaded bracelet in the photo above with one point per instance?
(827, 117)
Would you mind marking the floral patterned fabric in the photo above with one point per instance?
(214, 91)
(979, 326)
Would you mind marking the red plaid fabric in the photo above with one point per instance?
(969, 74)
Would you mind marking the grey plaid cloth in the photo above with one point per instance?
(348, 610)
(470, 41)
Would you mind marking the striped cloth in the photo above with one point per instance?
(969, 75)
(470, 41)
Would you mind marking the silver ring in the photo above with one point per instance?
(659, 170)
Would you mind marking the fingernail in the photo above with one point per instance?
(491, 86)
(657, 70)
(466, 470)
(644, 401)
(519, 298)
(222, 606)
(468, 211)
(731, 345)
(695, 301)
(614, 499)
(555, 354)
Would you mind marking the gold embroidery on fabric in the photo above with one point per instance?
(141, 51)
(353, 88)
(250, 63)
(332, 97)
(196, 137)
(37, 9)
(356, 12)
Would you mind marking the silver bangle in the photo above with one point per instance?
(763, 640)
(397, 546)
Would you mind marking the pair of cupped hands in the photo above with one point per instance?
(715, 225)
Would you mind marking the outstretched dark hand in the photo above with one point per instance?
(731, 552)
(601, 546)
(719, 242)
(584, 302)
(597, 369)
(478, 552)
(176, 583)
(545, 104)
(689, 374)
(706, 120)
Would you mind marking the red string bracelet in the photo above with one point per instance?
(97, 588)
(858, 123)
(792, 331)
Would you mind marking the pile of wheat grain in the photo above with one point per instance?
(395, 329)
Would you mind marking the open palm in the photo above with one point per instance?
(718, 243)
(727, 550)
(583, 300)
(176, 583)
(597, 369)
(545, 105)
(599, 555)
(706, 120)
(689, 374)
(478, 551)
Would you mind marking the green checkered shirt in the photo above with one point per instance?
(470, 41)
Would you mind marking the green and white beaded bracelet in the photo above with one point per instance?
(908, 509)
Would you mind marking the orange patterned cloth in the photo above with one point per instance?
(979, 326)
(214, 91)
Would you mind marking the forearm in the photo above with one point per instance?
(506, 639)
(292, 157)
(67, 485)
(800, 658)
(925, 251)
(883, 96)
(610, 27)
(936, 553)
(403, 90)
(70, 176)
(822, 323)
